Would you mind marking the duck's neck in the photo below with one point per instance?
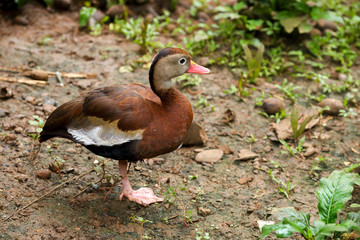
(168, 96)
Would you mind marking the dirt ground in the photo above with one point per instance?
(225, 199)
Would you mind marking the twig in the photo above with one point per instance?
(99, 180)
(102, 177)
(11, 69)
(175, 216)
(23, 80)
(112, 186)
(50, 74)
(47, 193)
(34, 153)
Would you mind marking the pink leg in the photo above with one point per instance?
(142, 196)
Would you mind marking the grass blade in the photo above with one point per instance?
(294, 119)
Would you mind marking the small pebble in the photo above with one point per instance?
(209, 156)
(244, 180)
(267, 148)
(18, 129)
(44, 174)
(342, 76)
(71, 150)
(334, 105)
(204, 211)
(246, 154)
(273, 105)
(21, 20)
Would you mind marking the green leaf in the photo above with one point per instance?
(350, 225)
(248, 56)
(253, 24)
(227, 16)
(85, 14)
(303, 125)
(295, 216)
(318, 13)
(34, 123)
(322, 229)
(283, 142)
(294, 120)
(352, 167)
(333, 193)
(239, 6)
(305, 28)
(282, 231)
(354, 217)
(200, 36)
(291, 23)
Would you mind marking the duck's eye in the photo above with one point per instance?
(182, 61)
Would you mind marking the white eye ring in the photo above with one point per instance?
(182, 61)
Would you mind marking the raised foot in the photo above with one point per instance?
(142, 196)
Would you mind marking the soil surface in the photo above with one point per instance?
(224, 199)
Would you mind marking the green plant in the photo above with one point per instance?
(200, 235)
(45, 40)
(171, 195)
(251, 139)
(197, 6)
(39, 124)
(347, 112)
(277, 116)
(100, 167)
(319, 160)
(85, 14)
(301, 59)
(293, 151)
(139, 30)
(284, 188)
(202, 102)
(294, 120)
(141, 221)
(333, 193)
(189, 80)
(253, 63)
(241, 88)
(288, 89)
(276, 64)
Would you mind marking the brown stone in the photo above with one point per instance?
(334, 105)
(273, 105)
(244, 180)
(44, 174)
(246, 154)
(209, 156)
(195, 135)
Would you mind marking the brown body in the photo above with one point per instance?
(128, 108)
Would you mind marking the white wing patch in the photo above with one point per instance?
(99, 134)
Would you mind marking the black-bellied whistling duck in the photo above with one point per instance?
(131, 122)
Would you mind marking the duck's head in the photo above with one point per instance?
(169, 63)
